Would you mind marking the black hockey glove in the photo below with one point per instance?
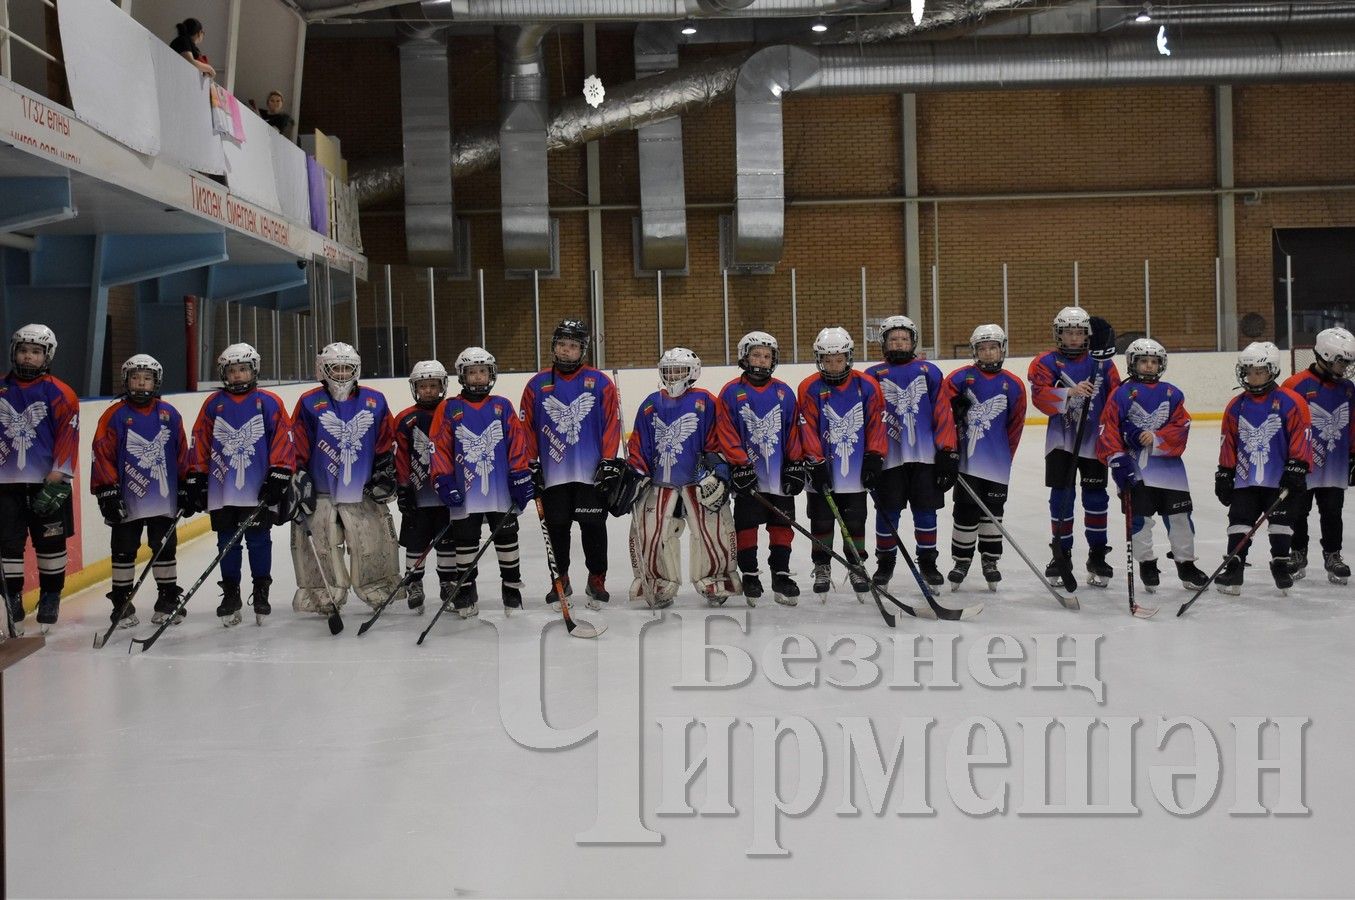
(819, 476)
(1223, 485)
(111, 506)
(743, 479)
(792, 477)
(406, 499)
(959, 406)
(947, 469)
(539, 478)
(606, 477)
(275, 485)
(193, 494)
(872, 464)
(1295, 476)
(380, 487)
(47, 501)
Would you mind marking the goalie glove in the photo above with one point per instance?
(711, 491)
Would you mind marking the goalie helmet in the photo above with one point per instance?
(1145, 348)
(1070, 318)
(894, 323)
(569, 330)
(428, 370)
(476, 356)
(679, 369)
(142, 362)
(1261, 354)
(238, 353)
(831, 341)
(333, 358)
(985, 334)
(749, 342)
(39, 335)
(1335, 347)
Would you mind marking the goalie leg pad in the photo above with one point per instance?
(713, 550)
(373, 551)
(310, 594)
(655, 543)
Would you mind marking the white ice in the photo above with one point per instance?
(283, 761)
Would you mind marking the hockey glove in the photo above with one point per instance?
(111, 505)
(193, 493)
(380, 487)
(1223, 485)
(303, 487)
(711, 492)
(1295, 476)
(819, 477)
(448, 492)
(959, 406)
(792, 477)
(275, 484)
(406, 499)
(47, 501)
(872, 464)
(538, 477)
(520, 488)
(607, 475)
(743, 479)
(947, 469)
(1350, 472)
(1125, 472)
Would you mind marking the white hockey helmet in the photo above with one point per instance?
(40, 335)
(1254, 355)
(142, 362)
(1335, 347)
(1071, 317)
(984, 334)
(831, 341)
(758, 339)
(1144, 348)
(238, 353)
(331, 359)
(894, 323)
(679, 369)
(428, 370)
(476, 356)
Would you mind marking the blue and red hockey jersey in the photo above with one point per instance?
(237, 438)
(479, 442)
(1333, 428)
(572, 420)
(910, 392)
(39, 429)
(1159, 409)
(144, 452)
(839, 423)
(671, 437)
(766, 424)
(339, 440)
(414, 453)
(1050, 376)
(1260, 433)
(993, 421)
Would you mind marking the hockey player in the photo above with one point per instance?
(1330, 396)
(1264, 449)
(242, 456)
(984, 405)
(684, 442)
(763, 412)
(573, 416)
(842, 432)
(482, 471)
(922, 463)
(422, 514)
(1071, 386)
(40, 417)
(138, 477)
(345, 441)
(1143, 434)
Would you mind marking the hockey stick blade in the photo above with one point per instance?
(943, 613)
(1265, 516)
(404, 581)
(335, 622)
(1143, 612)
(1064, 563)
(583, 629)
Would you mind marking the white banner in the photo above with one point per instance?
(249, 166)
(186, 105)
(289, 177)
(114, 88)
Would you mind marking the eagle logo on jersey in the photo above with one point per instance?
(22, 427)
(979, 418)
(904, 402)
(150, 455)
(478, 449)
(1327, 430)
(1256, 444)
(844, 431)
(349, 435)
(422, 455)
(764, 432)
(568, 417)
(1151, 422)
(238, 444)
(670, 439)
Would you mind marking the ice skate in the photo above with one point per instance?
(123, 612)
(49, 607)
(553, 601)
(259, 599)
(784, 590)
(752, 588)
(512, 596)
(467, 600)
(1191, 575)
(926, 564)
(884, 568)
(860, 585)
(1099, 571)
(166, 602)
(958, 571)
(1149, 575)
(1337, 570)
(990, 572)
(414, 596)
(1230, 579)
(1298, 564)
(596, 591)
(823, 581)
(1279, 570)
(229, 610)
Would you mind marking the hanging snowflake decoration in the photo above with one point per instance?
(592, 91)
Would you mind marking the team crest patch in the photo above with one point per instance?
(548, 387)
(164, 415)
(780, 394)
(128, 420)
(589, 383)
(740, 395)
(371, 403)
(700, 405)
(647, 409)
(321, 404)
(498, 409)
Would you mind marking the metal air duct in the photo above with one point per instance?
(425, 121)
(524, 188)
(663, 214)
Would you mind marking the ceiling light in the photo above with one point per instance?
(918, 9)
(819, 26)
(689, 27)
(1145, 14)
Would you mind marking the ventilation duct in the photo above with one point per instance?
(639, 10)
(989, 64)
(663, 213)
(425, 122)
(524, 188)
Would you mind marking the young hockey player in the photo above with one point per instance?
(842, 433)
(1070, 385)
(138, 476)
(763, 412)
(1264, 450)
(922, 463)
(984, 405)
(573, 417)
(242, 456)
(345, 441)
(1143, 434)
(422, 514)
(482, 472)
(1330, 396)
(683, 441)
(40, 415)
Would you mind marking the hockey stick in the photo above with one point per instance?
(101, 639)
(850, 546)
(580, 629)
(1265, 517)
(1069, 602)
(465, 573)
(406, 580)
(1138, 612)
(183, 601)
(335, 619)
(941, 611)
(917, 613)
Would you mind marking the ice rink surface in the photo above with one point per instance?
(281, 761)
